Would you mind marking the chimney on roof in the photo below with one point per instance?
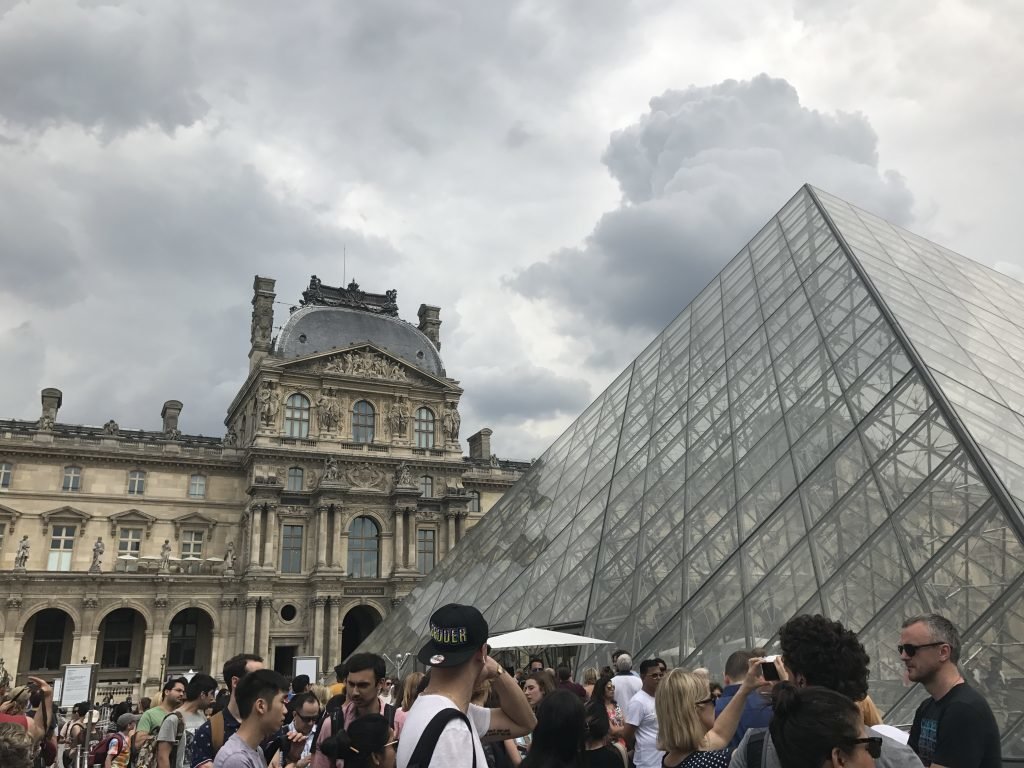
(262, 319)
(430, 323)
(52, 399)
(169, 413)
(480, 444)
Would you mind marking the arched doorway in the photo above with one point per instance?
(121, 645)
(190, 641)
(46, 643)
(356, 627)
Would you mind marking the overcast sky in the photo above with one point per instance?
(559, 177)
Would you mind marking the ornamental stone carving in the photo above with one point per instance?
(366, 364)
(332, 473)
(403, 477)
(90, 602)
(328, 411)
(230, 439)
(111, 428)
(269, 404)
(365, 475)
(398, 418)
(451, 422)
(14, 603)
(160, 602)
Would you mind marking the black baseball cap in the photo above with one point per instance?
(456, 633)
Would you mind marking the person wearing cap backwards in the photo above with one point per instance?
(442, 728)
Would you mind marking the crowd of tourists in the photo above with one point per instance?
(808, 707)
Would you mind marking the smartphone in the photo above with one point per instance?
(768, 670)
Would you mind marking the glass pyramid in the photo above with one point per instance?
(834, 425)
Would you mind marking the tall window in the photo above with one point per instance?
(295, 477)
(291, 549)
(48, 639)
(6, 470)
(118, 629)
(72, 478)
(362, 422)
(129, 542)
(426, 549)
(136, 482)
(363, 539)
(296, 416)
(427, 486)
(181, 644)
(3, 532)
(424, 428)
(191, 544)
(62, 543)
(474, 501)
(197, 486)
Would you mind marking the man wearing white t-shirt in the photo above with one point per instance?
(641, 732)
(457, 653)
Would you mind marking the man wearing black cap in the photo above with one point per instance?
(443, 728)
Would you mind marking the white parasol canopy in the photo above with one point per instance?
(532, 637)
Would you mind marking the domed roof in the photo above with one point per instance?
(313, 329)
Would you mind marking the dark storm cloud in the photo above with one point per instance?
(525, 392)
(110, 67)
(699, 174)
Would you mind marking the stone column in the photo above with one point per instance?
(449, 519)
(263, 641)
(343, 552)
(321, 543)
(331, 654)
(318, 604)
(269, 554)
(399, 540)
(387, 548)
(256, 545)
(250, 624)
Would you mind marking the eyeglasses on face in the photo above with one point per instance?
(307, 719)
(873, 744)
(709, 700)
(910, 649)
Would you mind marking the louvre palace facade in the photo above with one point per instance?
(339, 483)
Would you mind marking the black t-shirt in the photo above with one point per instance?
(605, 757)
(957, 731)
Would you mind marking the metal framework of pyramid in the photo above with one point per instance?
(834, 425)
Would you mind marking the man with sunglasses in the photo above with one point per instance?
(820, 652)
(955, 727)
(295, 740)
(641, 731)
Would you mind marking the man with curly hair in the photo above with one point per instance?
(821, 652)
(16, 746)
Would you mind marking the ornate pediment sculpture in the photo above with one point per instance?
(365, 475)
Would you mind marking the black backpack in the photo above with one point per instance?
(424, 751)
(755, 749)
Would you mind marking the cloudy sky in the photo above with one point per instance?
(560, 177)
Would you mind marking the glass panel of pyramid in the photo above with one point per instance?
(834, 425)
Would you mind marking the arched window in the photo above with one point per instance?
(424, 428)
(295, 478)
(362, 422)
(363, 547)
(474, 501)
(427, 486)
(296, 416)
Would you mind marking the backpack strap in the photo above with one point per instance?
(755, 749)
(216, 732)
(424, 751)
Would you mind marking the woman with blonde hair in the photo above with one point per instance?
(409, 692)
(688, 732)
(589, 679)
(869, 712)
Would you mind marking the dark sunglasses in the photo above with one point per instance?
(712, 699)
(910, 649)
(311, 719)
(873, 745)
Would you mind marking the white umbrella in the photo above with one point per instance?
(149, 557)
(215, 559)
(127, 557)
(532, 637)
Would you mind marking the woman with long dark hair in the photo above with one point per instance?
(558, 739)
(604, 694)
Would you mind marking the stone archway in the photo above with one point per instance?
(121, 645)
(46, 642)
(358, 623)
(190, 641)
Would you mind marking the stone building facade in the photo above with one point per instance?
(340, 481)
